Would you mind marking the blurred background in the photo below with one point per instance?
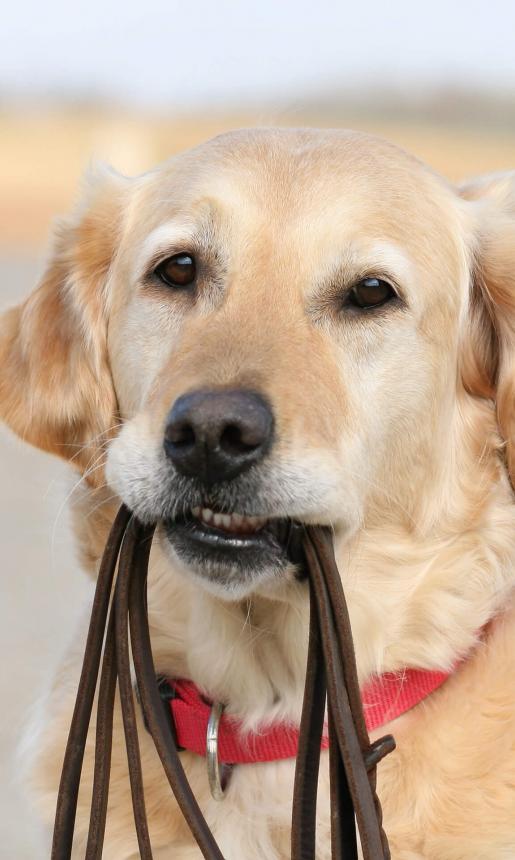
(131, 85)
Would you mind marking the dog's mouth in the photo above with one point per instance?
(231, 550)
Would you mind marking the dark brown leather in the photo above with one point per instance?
(74, 754)
(347, 729)
(331, 671)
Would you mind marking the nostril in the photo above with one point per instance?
(180, 434)
(234, 440)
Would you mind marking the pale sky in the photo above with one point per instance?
(164, 52)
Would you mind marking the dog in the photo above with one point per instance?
(292, 325)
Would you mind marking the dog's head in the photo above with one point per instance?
(277, 326)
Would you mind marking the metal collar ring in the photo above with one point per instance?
(218, 773)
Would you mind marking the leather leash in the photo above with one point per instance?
(331, 672)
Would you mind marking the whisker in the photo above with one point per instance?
(82, 448)
(92, 441)
(67, 499)
(102, 502)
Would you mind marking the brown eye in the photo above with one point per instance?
(178, 271)
(370, 293)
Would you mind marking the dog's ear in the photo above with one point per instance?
(489, 354)
(56, 390)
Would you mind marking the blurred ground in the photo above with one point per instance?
(42, 154)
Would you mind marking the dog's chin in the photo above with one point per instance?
(234, 564)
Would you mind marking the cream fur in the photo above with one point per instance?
(397, 432)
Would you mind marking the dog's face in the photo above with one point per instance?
(277, 303)
(270, 329)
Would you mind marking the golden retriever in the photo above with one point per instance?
(301, 325)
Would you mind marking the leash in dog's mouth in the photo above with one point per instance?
(330, 673)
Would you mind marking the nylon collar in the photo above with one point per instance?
(384, 698)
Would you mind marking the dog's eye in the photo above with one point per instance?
(370, 293)
(177, 271)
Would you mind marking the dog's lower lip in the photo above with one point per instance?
(270, 544)
(221, 557)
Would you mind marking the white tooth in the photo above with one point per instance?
(227, 521)
(237, 520)
(207, 515)
(218, 519)
(246, 526)
(258, 522)
(196, 512)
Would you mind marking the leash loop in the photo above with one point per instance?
(330, 674)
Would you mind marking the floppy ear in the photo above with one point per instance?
(56, 390)
(489, 358)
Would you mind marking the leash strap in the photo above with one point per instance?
(353, 760)
(330, 672)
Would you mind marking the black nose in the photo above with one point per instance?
(216, 435)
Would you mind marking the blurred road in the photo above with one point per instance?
(41, 591)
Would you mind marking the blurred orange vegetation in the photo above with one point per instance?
(44, 152)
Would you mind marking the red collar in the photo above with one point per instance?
(384, 698)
